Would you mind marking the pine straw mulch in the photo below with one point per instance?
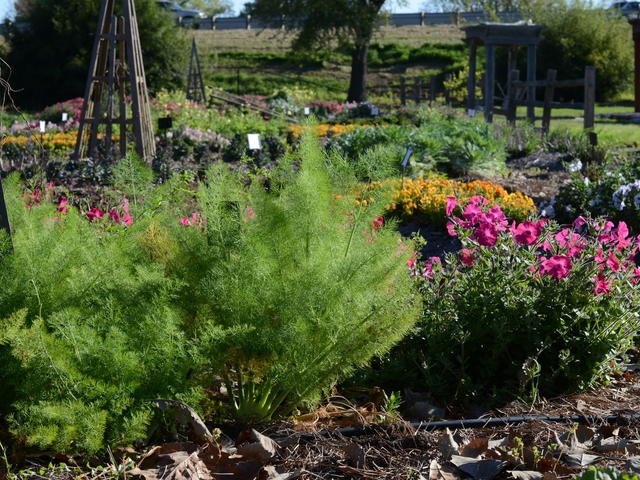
(315, 448)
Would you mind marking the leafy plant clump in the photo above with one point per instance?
(524, 309)
(276, 293)
(446, 142)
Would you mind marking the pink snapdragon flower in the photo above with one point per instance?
(195, 220)
(376, 223)
(114, 216)
(62, 206)
(94, 213)
(556, 266)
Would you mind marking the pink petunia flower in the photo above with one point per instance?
(451, 205)
(486, 234)
(527, 233)
(451, 229)
(602, 286)
(467, 257)
(557, 266)
(612, 262)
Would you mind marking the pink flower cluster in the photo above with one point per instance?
(115, 216)
(555, 254)
(195, 220)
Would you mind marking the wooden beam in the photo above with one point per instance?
(589, 97)
(548, 98)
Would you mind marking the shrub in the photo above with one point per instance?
(611, 190)
(277, 293)
(577, 36)
(523, 308)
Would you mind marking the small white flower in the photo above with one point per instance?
(575, 166)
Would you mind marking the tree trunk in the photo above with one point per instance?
(357, 85)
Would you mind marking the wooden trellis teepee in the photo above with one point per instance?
(116, 62)
(4, 217)
(195, 85)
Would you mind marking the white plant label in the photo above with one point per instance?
(43, 126)
(471, 112)
(307, 111)
(65, 116)
(254, 141)
(375, 111)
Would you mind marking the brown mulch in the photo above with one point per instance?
(314, 447)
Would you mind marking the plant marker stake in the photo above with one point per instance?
(43, 126)
(307, 111)
(405, 162)
(4, 217)
(407, 157)
(65, 117)
(254, 141)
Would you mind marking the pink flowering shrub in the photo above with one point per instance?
(525, 306)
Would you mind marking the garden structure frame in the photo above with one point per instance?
(492, 35)
(116, 60)
(195, 84)
(4, 216)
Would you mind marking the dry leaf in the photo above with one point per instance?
(611, 444)
(355, 455)
(475, 447)
(479, 469)
(633, 464)
(270, 473)
(580, 459)
(442, 472)
(447, 445)
(188, 417)
(260, 447)
(176, 466)
(526, 475)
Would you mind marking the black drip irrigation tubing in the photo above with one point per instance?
(477, 423)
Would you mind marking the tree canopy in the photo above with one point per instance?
(210, 7)
(320, 22)
(51, 43)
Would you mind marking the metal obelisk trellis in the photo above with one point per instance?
(195, 85)
(115, 61)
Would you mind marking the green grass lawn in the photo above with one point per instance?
(609, 131)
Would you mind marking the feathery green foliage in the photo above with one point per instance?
(279, 292)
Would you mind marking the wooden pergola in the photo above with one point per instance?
(492, 35)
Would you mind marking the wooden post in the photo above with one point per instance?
(512, 106)
(447, 94)
(548, 98)
(489, 81)
(417, 90)
(248, 22)
(635, 24)
(471, 81)
(589, 97)
(432, 89)
(403, 91)
(422, 19)
(4, 216)
(531, 77)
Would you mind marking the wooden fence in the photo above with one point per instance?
(516, 89)
(415, 89)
